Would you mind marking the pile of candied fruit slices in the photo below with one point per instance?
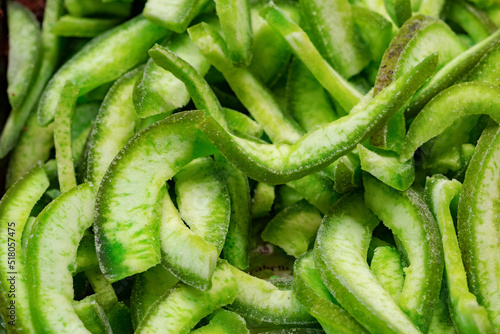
(252, 167)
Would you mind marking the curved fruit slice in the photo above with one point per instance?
(478, 231)
(446, 150)
(386, 167)
(224, 322)
(470, 98)
(203, 200)
(317, 300)
(104, 59)
(24, 51)
(302, 47)
(418, 37)
(264, 302)
(467, 314)
(62, 137)
(15, 208)
(180, 309)
(185, 254)
(148, 287)
(474, 21)
(387, 267)
(236, 246)
(406, 214)
(113, 127)
(234, 17)
(452, 72)
(92, 315)
(331, 28)
(158, 91)
(340, 256)
(129, 194)
(173, 15)
(293, 229)
(51, 254)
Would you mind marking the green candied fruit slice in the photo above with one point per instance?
(398, 10)
(474, 21)
(242, 124)
(24, 52)
(113, 127)
(92, 315)
(407, 215)
(306, 100)
(71, 26)
(15, 208)
(418, 37)
(148, 287)
(97, 8)
(470, 98)
(331, 28)
(386, 167)
(173, 15)
(340, 257)
(262, 301)
(127, 209)
(236, 246)
(302, 47)
(51, 256)
(317, 300)
(262, 200)
(252, 93)
(293, 229)
(454, 71)
(270, 52)
(467, 314)
(375, 29)
(158, 91)
(180, 309)
(62, 137)
(234, 17)
(185, 254)
(119, 319)
(224, 322)
(478, 232)
(387, 267)
(104, 292)
(86, 256)
(102, 60)
(203, 200)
